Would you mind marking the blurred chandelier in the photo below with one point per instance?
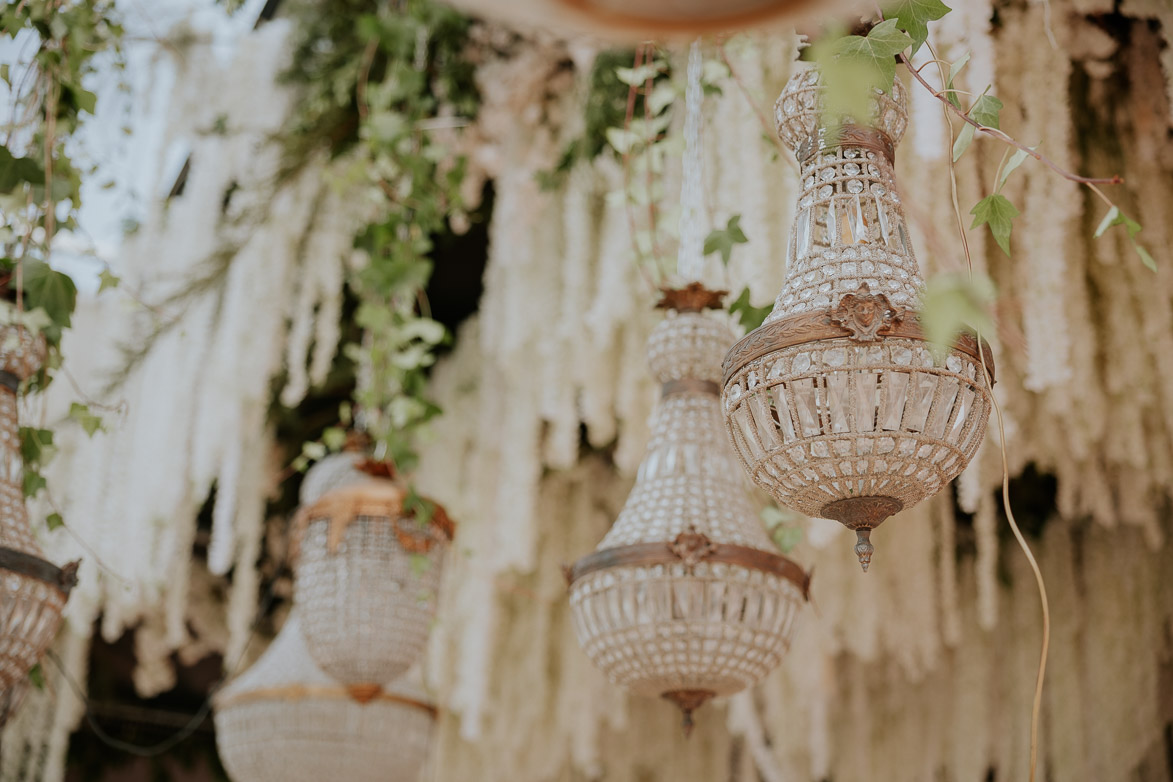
(366, 572)
(33, 591)
(686, 597)
(640, 19)
(835, 404)
(284, 720)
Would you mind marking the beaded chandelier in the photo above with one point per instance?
(284, 720)
(686, 597)
(33, 591)
(835, 404)
(367, 572)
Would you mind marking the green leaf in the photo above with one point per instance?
(89, 422)
(722, 240)
(622, 140)
(748, 315)
(334, 438)
(36, 446)
(1015, 161)
(53, 521)
(913, 16)
(1145, 258)
(15, 171)
(985, 111)
(952, 302)
(107, 280)
(997, 212)
(37, 677)
(877, 50)
(33, 482)
(786, 537)
(81, 98)
(954, 70)
(1116, 217)
(963, 140)
(51, 290)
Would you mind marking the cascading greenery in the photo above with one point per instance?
(59, 42)
(375, 81)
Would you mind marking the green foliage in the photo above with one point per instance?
(853, 66)
(784, 527)
(953, 303)
(371, 76)
(52, 291)
(37, 677)
(1116, 217)
(722, 240)
(107, 280)
(749, 316)
(1015, 161)
(997, 212)
(89, 422)
(954, 69)
(913, 17)
(53, 521)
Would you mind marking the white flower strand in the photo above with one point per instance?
(691, 259)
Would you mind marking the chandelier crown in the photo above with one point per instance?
(798, 114)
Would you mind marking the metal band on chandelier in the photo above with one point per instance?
(62, 578)
(847, 136)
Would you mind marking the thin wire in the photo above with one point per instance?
(196, 720)
(1036, 706)
(690, 259)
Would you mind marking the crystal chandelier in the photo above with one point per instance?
(284, 720)
(835, 404)
(366, 572)
(686, 597)
(33, 591)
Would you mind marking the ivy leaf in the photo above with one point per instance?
(748, 315)
(877, 50)
(82, 99)
(636, 77)
(955, 69)
(997, 212)
(37, 677)
(722, 240)
(36, 445)
(52, 291)
(1015, 161)
(952, 302)
(53, 521)
(1116, 217)
(985, 111)
(15, 171)
(89, 422)
(913, 16)
(108, 280)
(1145, 258)
(33, 482)
(963, 140)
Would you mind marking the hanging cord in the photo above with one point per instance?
(196, 720)
(690, 259)
(1036, 706)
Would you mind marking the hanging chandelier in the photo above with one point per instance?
(33, 591)
(284, 720)
(367, 572)
(641, 19)
(835, 404)
(686, 597)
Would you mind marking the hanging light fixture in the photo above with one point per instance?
(33, 591)
(835, 404)
(686, 597)
(642, 19)
(366, 570)
(284, 720)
